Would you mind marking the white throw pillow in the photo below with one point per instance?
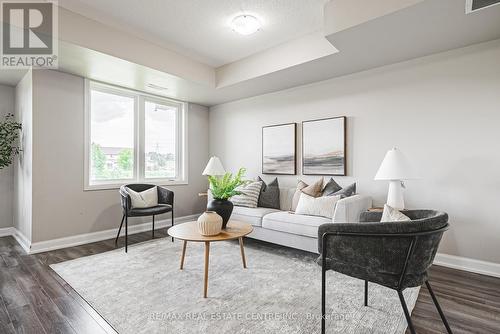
(317, 206)
(249, 196)
(393, 215)
(145, 199)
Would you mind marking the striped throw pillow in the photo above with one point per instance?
(249, 196)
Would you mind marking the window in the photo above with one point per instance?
(160, 140)
(132, 137)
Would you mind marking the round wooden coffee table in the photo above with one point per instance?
(189, 232)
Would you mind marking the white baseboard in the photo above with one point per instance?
(6, 231)
(467, 264)
(21, 239)
(17, 235)
(81, 239)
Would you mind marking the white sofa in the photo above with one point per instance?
(283, 227)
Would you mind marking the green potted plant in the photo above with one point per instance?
(223, 188)
(9, 134)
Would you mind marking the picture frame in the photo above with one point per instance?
(279, 152)
(324, 146)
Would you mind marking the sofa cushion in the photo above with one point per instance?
(269, 196)
(348, 191)
(286, 197)
(323, 206)
(331, 187)
(313, 190)
(250, 215)
(248, 194)
(296, 224)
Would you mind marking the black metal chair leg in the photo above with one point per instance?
(323, 301)
(441, 314)
(366, 293)
(407, 314)
(153, 231)
(323, 296)
(126, 233)
(172, 221)
(119, 230)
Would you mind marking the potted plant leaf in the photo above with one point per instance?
(9, 134)
(222, 189)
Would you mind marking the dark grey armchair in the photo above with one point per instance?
(396, 255)
(165, 204)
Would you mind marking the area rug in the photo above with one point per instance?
(144, 291)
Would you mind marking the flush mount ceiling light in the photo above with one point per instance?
(245, 24)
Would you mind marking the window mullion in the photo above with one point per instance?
(178, 143)
(141, 139)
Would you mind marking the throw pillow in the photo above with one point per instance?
(145, 199)
(296, 196)
(347, 191)
(391, 214)
(269, 196)
(317, 206)
(331, 187)
(249, 196)
(313, 190)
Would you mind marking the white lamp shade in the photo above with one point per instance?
(395, 166)
(214, 167)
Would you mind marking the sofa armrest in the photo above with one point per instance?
(350, 208)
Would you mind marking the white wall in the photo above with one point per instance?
(7, 173)
(442, 111)
(60, 206)
(23, 176)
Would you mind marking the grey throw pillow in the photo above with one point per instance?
(269, 194)
(347, 191)
(331, 187)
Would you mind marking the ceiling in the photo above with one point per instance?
(199, 28)
(384, 32)
(11, 77)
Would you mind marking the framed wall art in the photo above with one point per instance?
(323, 146)
(279, 149)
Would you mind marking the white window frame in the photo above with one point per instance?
(139, 138)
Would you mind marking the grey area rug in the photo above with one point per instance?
(145, 292)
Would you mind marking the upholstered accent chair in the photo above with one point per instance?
(165, 204)
(396, 255)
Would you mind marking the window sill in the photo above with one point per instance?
(115, 186)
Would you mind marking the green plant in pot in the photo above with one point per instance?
(9, 134)
(223, 188)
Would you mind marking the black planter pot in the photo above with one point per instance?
(224, 208)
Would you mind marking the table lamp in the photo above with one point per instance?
(395, 168)
(214, 167)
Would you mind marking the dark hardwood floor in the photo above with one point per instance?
(33, 299)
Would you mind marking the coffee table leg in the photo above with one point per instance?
(243, 253)
(207, 253)
(183, 253)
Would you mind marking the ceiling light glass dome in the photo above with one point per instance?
(245, 24)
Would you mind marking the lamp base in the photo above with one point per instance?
(395, 195)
